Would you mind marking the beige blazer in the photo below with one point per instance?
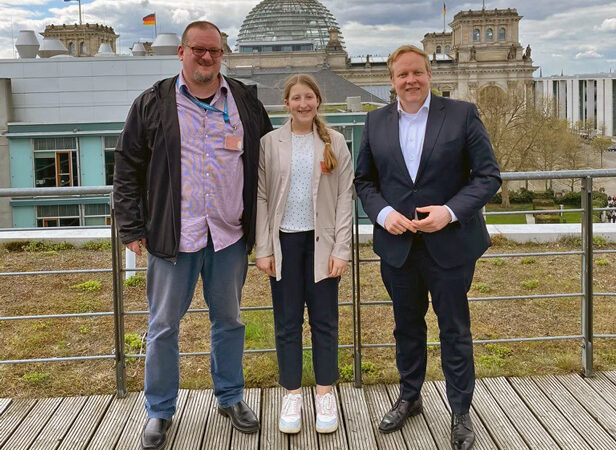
(332, 198)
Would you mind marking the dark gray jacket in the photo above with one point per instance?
(147, 174)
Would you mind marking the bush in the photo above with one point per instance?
(35, 377)
(16, 246)
(547, 218)
(484, 288)
(38, 246)
(599, 199)
(530, 284)
(97, 245)
(135, 281)
(521, 196)
(88, 286)
(528, 260)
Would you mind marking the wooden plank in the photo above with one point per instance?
(437, 416)
(59, 424)
(218, 432)
(194, 420)
(483, 440)
(356, 418)
(415, 431)
(177, 419)
(378, 403)
(32, 424)
(503, 432)
(591, 400)
(307, 436)
(271, 437)
(13, 416)
(520, 416)
(113, 422)
(4, 403)
(578, 417)
(243, 441)
(548, 414)
(87, 421)
(336, 440)
(604, 387)
(129, 438)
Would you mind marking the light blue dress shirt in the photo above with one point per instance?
(412, 129)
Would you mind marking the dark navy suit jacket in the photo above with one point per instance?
(457, 168)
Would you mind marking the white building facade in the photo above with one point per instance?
(586, 98)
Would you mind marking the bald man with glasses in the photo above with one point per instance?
(185, 187)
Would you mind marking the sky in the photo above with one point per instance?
(568, 36)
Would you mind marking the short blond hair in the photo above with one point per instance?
(406, 49)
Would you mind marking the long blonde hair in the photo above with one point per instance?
(330, 160)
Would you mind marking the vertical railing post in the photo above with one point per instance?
(118, 306)
(587, 288)
(356, 302)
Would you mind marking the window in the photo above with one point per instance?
(96, 214)
(445, 94)
(83, 49)
(438, 49)
(109, 144)
(489, 34)
(57, 216)
(447, 49)
(476, 35)
(55, 162)
(71, 48)
(501, 34)
(347, 132)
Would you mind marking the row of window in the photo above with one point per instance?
(83, 48)
(439, 49)
(56, 161)
(489, 34)
(73, 215)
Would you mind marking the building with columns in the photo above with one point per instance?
(586, 98)
(82, 40)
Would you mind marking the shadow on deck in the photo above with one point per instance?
(543, 412)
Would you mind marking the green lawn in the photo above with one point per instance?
(567, 217)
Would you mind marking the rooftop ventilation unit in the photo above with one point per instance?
(105, 50)
(166, 44)
(138, 49)
(51, 47)
(27, 44)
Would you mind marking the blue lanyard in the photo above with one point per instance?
(196, 101)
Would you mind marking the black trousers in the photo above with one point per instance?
(296, 288)
(408, 288)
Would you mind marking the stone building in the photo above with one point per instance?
(82, 40)
(482, 50)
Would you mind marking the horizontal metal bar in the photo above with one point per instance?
(485, 299)
(254, 350)
(63, 359)
(242, 308)
(56, 191)
(58, 316)
(55, 272)
(605, 336)
(558, 174)
(508, 255)
(531, 211)
(493, 341)
(604, 294)
(604, 251)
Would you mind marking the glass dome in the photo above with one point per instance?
(305, 23)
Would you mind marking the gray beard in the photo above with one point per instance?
(200, 78)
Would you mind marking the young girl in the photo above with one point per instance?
(304, 205)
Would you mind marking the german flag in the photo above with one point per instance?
(150, 19)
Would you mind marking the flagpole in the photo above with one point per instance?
(155, 26)
(80, 22)
(444, 20)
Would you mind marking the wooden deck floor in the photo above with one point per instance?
(544, 412)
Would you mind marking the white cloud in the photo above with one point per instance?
(607, 25)
(588, 54)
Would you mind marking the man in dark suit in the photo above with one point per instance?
(425, 170)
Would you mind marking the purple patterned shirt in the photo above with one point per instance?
(212, 176)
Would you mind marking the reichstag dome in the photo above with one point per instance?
(286, 25)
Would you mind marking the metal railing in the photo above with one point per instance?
(119, 313)
(586, 252)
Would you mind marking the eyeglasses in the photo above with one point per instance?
(200, 51)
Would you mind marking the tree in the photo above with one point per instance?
(600, 144)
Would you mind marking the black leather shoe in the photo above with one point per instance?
(395, 417)
(242, 417)
(154, 435)
(462, 434)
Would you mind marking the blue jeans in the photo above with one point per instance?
(170, 288)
